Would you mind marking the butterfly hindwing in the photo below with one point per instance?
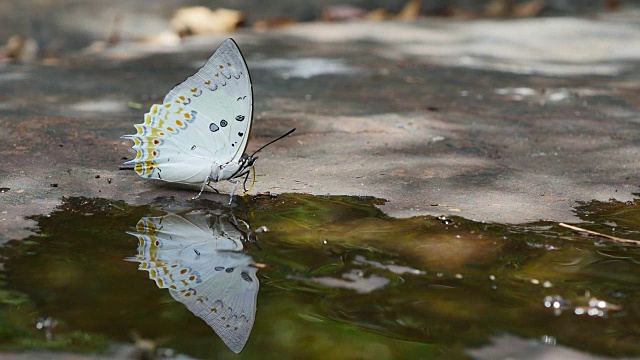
(202, 121)
(226, 298)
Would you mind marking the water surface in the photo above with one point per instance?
(318, 277)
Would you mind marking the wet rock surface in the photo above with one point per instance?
(504, 121)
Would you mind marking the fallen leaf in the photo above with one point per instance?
(410, 11)
(529, 9)
(342, 12)
(202, 20)
(263, 25)
(22, 49)
(377, 15)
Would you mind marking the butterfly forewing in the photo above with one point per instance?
(221, 94)
(203, 121)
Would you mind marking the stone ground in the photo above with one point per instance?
(497, 120)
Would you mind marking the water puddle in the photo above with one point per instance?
(318, 277)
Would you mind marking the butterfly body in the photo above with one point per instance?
(199, 133)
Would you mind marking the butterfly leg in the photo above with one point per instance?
(235, 187)
(244, 183)
(205, 183)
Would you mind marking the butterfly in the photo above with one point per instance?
(196, 257)
(200, 132)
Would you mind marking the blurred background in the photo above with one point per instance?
(41, 29)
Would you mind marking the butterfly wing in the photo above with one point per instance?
(203, 121)
(190, 256)
(226, 298)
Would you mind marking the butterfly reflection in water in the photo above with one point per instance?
(196, 256)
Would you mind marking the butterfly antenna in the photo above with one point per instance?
(272, 141)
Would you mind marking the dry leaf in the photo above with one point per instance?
(379, 14)
(410, 11)
(342, 12)
(613, 5)
(202, 20)
(529, 9)
(263, 25)
(499, 8)
(22, 49)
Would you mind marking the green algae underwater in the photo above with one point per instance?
(337, 279)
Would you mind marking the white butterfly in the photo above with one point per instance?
(196, 257)
(200, 132)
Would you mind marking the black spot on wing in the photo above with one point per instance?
(213, 127)
(240, 117)
(246, 277)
